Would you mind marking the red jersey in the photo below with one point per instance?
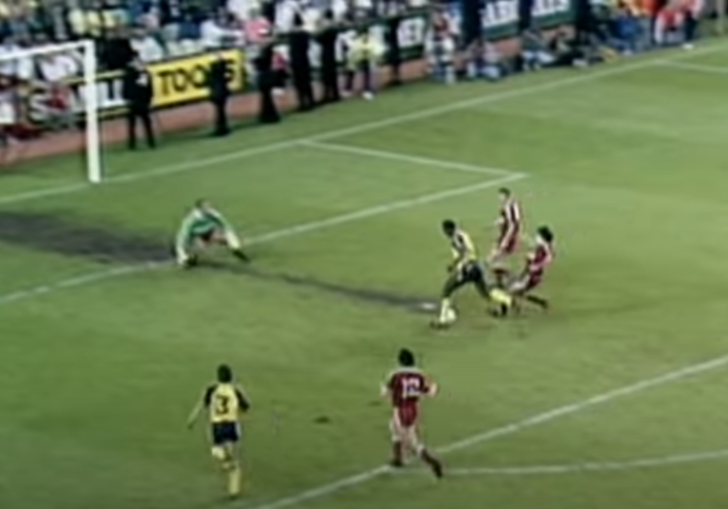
(406, 386)
(510, 219)
(539, 259)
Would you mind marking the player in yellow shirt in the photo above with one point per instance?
(225, 403)
(466, 268)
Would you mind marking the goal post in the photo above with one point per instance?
(55, 67)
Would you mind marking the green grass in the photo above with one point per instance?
(628, 168)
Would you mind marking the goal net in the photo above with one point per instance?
(49, 104)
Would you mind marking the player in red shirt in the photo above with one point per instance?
(537, 260)
(405, 386)
(509, 226)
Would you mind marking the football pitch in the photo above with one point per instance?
(614, 399)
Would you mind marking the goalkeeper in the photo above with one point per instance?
(204, 226)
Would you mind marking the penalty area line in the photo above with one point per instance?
(580, 468)
(292, 231)
(406, 158)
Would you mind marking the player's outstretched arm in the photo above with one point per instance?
(195, 414)
(182, 241)
(201, 404)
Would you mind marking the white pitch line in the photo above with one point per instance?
(300, 229)
(394, 156)
(687, 66)
(331, 488)
(578, 468)
(207, 162)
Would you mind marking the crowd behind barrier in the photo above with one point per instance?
(179, 39)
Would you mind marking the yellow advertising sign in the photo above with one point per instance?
(185, 80)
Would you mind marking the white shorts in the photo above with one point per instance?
(406, 435)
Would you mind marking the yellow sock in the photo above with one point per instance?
(234, 481)
(501, 297)
(444, 308)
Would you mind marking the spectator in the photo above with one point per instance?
(263, 64)
(138, 92)
(218, 32)
(18, 67)
(534, 54)
(440, 47)
(257, 27)
(117, 50)
(484, 61)
(189, 36)
(91, 20)
(8, 110)
(669, 24)
(18, 22)
(285, 12)
(54, 71)
(692, 9)
(565, 50)
(56, 19)
(626, 30)
(171, 14)
(219, 94)
(394, 53)
(298, 48)
(146, 46)
(240, 9)
(364, 55)
(279, 73)
(9, 67)
(327, 39)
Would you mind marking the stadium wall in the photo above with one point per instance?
(181, 93)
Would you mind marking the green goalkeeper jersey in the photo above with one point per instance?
(199, 223)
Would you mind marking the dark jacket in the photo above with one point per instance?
(218, 81)
(116, 53)
(138, 89)
(327, 39)
(298, 44)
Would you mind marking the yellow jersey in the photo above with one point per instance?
(463, 249)
(225, 403)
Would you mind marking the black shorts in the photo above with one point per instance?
(472, 272)
(225, 433)
(207, 236)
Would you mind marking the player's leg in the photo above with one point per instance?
(234, 472)
(414, 443)
(395, 429)
(225, 437)
(539, 301)
(453, 283)
(501, 298)
(497, 262)
(522, 288)
(233, 243)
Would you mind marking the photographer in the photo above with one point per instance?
(219, 94)
(138, 93)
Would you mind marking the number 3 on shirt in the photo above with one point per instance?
(222, 405)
